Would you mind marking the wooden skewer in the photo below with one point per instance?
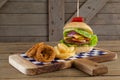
(78, 8)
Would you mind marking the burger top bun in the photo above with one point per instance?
(80, 25)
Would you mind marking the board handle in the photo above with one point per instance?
(90, 67)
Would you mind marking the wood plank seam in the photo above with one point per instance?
(2, 3)
(56, 19)
(90, 8)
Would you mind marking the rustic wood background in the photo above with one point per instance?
(27, 20)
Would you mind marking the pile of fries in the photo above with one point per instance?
(63, 52)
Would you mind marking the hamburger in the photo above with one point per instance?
(80, 35)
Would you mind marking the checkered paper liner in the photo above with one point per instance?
(92, 53)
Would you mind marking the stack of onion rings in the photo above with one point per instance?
(41, 52)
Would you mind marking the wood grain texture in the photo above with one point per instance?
(90, 67)
(114, 1)
(90, 9)
(28, 68)
(23, 19)
(71, 1)
(2, 3)
(72, 78)
(113, 70)
(24, 7)
(102, 37)
(23, 38)
(23, 46)
(74, 1)
(102, 19)
(28, 12)
(110, 32)
(33, 7)
(28, 30)
(22, 65)
(42, 19)
(56, 19)
(108, 29)
(106, 19)
(9, 48)
(17, 8)
(20, 7)
(110, 7)
(17, 12)
(29, 0)
(46, 0)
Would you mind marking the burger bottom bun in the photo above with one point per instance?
(83, 49)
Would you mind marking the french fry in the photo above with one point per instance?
(56, 50)
(63, 48)
(71, 49)
(63, 51)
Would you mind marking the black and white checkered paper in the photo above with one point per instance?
(92, 53)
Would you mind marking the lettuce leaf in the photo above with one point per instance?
(93, 41)
(93, 38)
(79, 31)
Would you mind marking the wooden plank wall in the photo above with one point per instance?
(26, 20)
(23, 20)
(89, 9)
(56, 19)
(2, 3)
(106, 24)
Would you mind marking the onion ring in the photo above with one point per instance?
(45, 53)
(32, 51)
(41, 52)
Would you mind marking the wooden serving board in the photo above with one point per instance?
(86, 62)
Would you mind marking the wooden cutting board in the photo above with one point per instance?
(86, 62)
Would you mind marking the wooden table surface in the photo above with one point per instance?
(7, 72)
